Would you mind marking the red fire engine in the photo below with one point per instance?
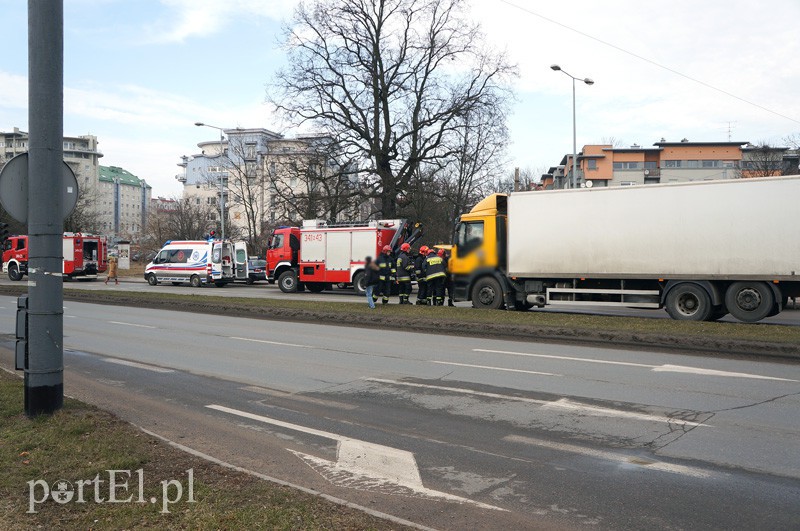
(84, 256)
(319, 254)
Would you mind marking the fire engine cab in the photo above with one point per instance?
(318, 254)
(84, 256)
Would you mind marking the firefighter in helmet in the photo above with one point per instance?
(404, 269)
(422, 285)
(385, 266)
(435, 274)
(448, 282)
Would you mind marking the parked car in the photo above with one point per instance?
(256, 270)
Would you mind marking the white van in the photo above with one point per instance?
(197, 262)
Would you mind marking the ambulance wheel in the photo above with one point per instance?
(13, 272)
(152, 280)
(195, 281)
(360, 283)
(287, 282)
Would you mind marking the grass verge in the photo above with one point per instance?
(81, 442)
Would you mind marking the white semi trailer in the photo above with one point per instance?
(700, 250)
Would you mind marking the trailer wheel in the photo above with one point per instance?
(689, 302)
(487, 294)
(152, 280)
(13, 272)
(315, 287)
(288, 281)
(360, 283)
(750, 302)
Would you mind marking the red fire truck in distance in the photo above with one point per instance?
(318, 254)
(85, 256)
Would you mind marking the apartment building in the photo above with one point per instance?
(668, 162)
(80, 153)
(266, 177)
(122, 202)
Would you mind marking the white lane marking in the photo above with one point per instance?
(338, 501)
(131, 324)
(653, 368)
(492, 368)
(566, 358)
(360, 463)
(152, 368)
(712, 372)
(271, 342)
(562, 403)
(596, 411)
(611, 456)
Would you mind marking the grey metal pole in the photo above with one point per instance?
(221, 189)
(44, 372)
(574, 140)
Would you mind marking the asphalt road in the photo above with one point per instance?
(789, 317)
(455, 433)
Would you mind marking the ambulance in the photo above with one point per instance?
(198, 262)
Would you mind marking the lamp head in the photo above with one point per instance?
(199, 124)
(555, 67)
(588, 81)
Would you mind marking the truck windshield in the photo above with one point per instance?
(277, 242)
(469, 236)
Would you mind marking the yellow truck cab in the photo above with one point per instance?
(477, 260)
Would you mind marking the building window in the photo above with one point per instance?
(627, 165)
(591, 164)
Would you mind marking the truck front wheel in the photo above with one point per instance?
(689, 302)
(750, 302)
(13, 272)
(487, 294)
(288, 281)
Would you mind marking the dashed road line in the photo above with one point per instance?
(137, 365)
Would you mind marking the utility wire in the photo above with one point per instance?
(645, 59)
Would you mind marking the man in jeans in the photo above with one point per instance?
(371, 279)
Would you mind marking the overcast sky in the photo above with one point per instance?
(138, 74)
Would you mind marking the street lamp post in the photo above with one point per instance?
(574, 128)
(221, 178)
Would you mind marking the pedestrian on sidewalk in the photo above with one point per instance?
(112, 269)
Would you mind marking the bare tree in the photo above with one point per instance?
(189, 220)
(85, 217)
(761, 160)
(313, 181)
(248, 187)
(389, 80)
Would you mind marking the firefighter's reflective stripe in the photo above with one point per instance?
(434, 267)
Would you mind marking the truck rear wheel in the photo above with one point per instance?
(487, 294)
(360, 283)
(287, 282)
(13, 272)
(689, 302)
(750, 302)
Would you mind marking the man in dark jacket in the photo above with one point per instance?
(422, 285)
(404, 268)
(435, 274)
(385, 266)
